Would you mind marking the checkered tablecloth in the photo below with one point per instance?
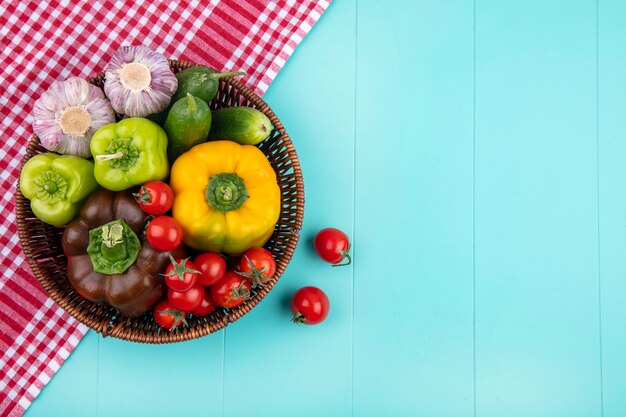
(43, 41)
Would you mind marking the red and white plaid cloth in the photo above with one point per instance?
(43, 41)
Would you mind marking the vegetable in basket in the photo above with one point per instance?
(67, 115)
(128, 153)
(201, 82)
(244, 125)
(225, 197)
(164, 233)
(257, 265)
(186, 300)
(167, 316)
(56, 186)
(187, 124)
(109, 259)
(181, 274)
(207, 305)
(212, 267)
(155, 197)
(139, 81)
(231, 291)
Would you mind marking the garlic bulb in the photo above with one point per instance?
(68, 114)
(139, 81)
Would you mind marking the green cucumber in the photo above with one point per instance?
(187, 124)
(200, 81)
(244, 125)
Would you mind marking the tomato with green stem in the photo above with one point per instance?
(309, 305)
(155, 197)
(231, 291)
(167, 316)
(333, 246)
(257, 265)
(181, 274)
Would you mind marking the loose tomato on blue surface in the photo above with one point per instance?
(333, 246)
(310, 305)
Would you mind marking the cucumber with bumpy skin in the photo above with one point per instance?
(244, 125)
(187, 124)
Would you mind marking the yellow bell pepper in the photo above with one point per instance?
(226, 197)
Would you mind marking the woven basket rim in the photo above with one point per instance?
(121, 328)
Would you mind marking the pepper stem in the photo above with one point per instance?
(218, 75)
(50, 186)
(226, 192)
(108, 157)
(112, 235)
(113, 247)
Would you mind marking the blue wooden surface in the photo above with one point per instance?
(537, 312)
(475, 152)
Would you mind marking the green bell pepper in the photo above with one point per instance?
(56, 186)
(128, 153)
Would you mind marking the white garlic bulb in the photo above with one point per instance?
(138, 81)
(67, 115)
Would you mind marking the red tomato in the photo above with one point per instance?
(155, 197)
(207, 306)
(309, 305)
(333, 245)
(167, 316)
(257, 265)
(186, 300)
(164, 233)
(181, 274)
(231, 291)
(212, 267)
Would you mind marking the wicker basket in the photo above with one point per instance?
(42, 242)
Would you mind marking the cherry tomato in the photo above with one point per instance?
(164, 233)
(207, 306)
(186, 300)
(212, 267)
(231, 291)
(167, 316)
(181, 274)
(155, 197)
(309, 305)
(333, 245)
(257, 265)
